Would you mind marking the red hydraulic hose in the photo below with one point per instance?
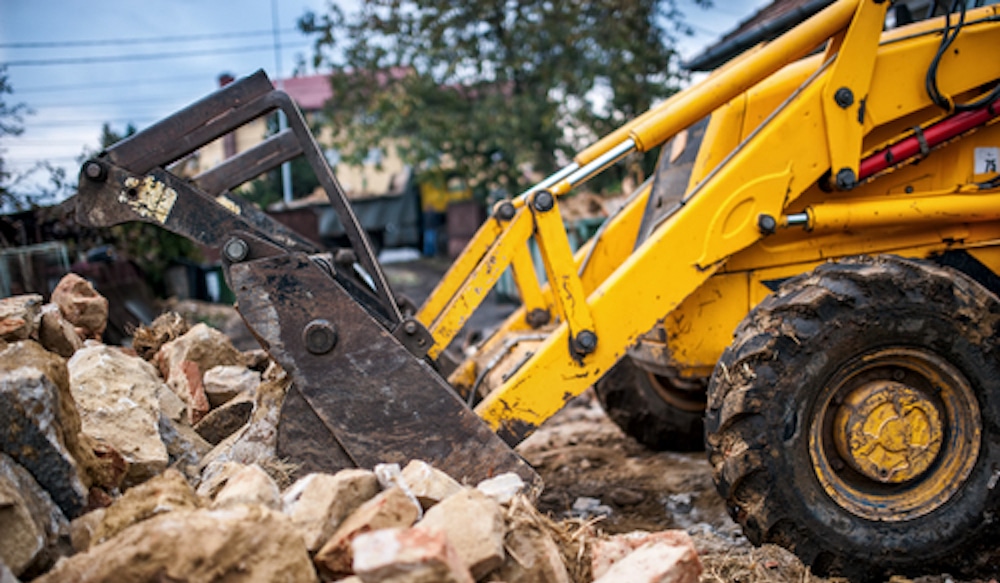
(922, 140)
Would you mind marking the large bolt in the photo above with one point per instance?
(844, 97)
(505, 211)
(766, 224)
(846, 179)
(95, 171)
(585, 342)
(319, 336)
(410, 327)
(236, 249)
(543, 201)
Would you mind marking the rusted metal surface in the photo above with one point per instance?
(371, 396)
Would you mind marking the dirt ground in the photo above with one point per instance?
(594, 472)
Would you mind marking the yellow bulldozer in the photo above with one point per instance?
(807, 287)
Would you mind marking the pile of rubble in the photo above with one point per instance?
(157, 463)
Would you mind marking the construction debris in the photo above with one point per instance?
(165, 459)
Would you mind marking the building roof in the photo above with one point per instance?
(310, 92)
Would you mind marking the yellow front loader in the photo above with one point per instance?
(810, 278)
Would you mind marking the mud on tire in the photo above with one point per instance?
(824, 346)
(631, 399)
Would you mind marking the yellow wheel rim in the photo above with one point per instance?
(895, 434)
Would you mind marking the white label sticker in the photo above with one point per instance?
(987, 160)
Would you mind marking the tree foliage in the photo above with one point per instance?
(491, 88)
(11, 124)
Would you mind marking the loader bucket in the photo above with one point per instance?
(362, 391)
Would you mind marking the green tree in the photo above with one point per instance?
(490, 88)
(11, 124)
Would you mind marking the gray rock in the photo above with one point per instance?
(35, 532)
(37, 419)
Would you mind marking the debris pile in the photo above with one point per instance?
(158, 462)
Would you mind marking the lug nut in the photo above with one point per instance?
(236, 249)
(319, 336)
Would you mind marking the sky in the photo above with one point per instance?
(78, 64)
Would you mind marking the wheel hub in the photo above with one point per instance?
(894, 434)
(888, 431)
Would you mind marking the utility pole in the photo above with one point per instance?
(286, 168)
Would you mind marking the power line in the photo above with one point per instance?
(139, 57)
(106, 84)
(136, 40)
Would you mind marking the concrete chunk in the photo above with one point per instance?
(226, 419)
(502, 488)
(411, 555)
(391, 508)
(430, 485)
(473, 523)
(318, 503)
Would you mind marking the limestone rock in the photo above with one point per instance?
(168, 492)
(185, 448)
(34, 530)
(430, 485)
(250, 485)
(257, 441)
(171, 405)
(116, 394)
(81, 305)
(56, 333)
(663, 557)
(39, 424)
(397, 555)
(474, 524)
(248, 544)
(318, 503)
(83, 528)
(19, 316)
(223, 383)
(502, 488)
(390, 508)
(184, 360)
(215, 477)
(225, 420)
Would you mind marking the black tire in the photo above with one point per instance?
(776, 405)
(632, 400)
